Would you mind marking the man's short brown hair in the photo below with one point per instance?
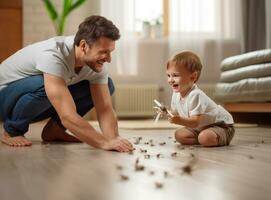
(94, 27)
(189, 60)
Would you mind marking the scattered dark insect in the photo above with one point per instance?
(159, 185)
(131, 152)
(151, 143)
(192, 155)
(124, 177)
(143, 150)
(175, 141)
(262, 141)
(169, 137)
(147, 156)
(119, 167)
(158, 155)
(174, 154)
(138, 140)
(152, 172)
(162, 143)
(165, 174)
(250, 157)
(146, 143)
(180, 146)
(187, 169)
(138, 167)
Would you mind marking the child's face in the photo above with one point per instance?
(180, 79)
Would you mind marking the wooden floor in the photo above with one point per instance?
(76, 171)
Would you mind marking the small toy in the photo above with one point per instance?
(161, 110)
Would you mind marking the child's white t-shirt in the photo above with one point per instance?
(196, 102)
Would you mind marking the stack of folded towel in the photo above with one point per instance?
(245, 78)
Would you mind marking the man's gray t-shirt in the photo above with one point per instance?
(53, 56)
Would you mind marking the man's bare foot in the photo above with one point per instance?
(55, 132)
(18, 141)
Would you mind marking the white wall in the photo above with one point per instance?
(152, 55)
(37, 25)
(152, 58)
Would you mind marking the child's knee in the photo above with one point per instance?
(181, 136)
(208, 138)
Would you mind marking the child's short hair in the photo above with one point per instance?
(189, 60)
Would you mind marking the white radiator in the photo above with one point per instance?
(135, 100)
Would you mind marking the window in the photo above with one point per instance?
(193, 16)
(148, 11)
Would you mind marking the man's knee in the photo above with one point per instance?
(21, 92)
(111, 86)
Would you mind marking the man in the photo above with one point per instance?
(62, 78)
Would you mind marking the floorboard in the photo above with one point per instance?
(77, 171)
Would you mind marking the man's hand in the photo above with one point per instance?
(118, 144)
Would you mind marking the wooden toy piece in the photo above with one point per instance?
(161, 109)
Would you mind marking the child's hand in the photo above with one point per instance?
(174, 119)
(161, 111)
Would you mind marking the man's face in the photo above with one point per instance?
(98, 53)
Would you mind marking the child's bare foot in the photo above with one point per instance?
(55, 132)
(18, 141)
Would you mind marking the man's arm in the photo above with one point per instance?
(104, 109)
(60, 97)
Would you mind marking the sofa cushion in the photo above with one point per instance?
(251, 58)
(252, 71)
(246, 90)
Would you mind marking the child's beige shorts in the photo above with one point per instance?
(225, 132)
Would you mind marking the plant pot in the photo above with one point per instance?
(157, 30)
(146, 30)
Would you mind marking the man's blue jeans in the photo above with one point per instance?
(24, 101)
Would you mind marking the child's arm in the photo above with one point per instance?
(191, 122)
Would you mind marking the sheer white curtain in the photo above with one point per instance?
(268, 23)
(210, 28)
(122, 14)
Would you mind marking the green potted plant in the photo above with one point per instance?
(57, 18)
(146, 29)
(157, 27)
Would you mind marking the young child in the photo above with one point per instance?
(204, 121)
